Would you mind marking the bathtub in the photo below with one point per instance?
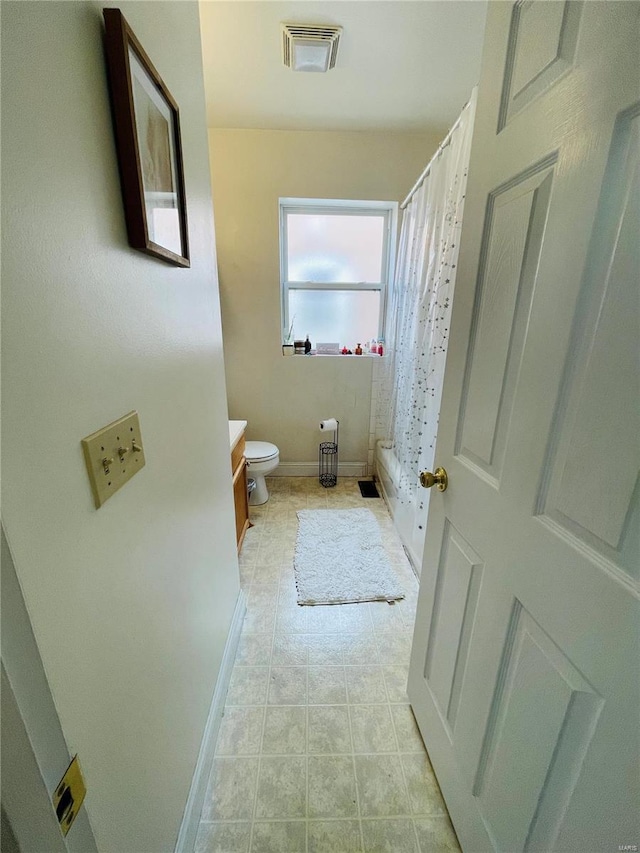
(409, 516)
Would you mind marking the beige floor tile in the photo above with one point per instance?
(334, 836)
(381, 786)
(324, 619)
(291, 619)
(279, 837)
(259, 620)
(282, 787)
(325, 649)
(328, 729)
(223, 837)
(240, 731)
(287, 685)
(332, 786)
(372, 729)
(436, 835)
(424, 792)
(269, 572)
(327, 685)
(356, 617)
(285, 730)
(360, 649)
(389, 836)
(283, 778)
(395, 679)
(386, 617)
(248, 685)
(290, 649)
(409, 739)
(394, 648)
(365, 685)
(254, 650)
(232, 789)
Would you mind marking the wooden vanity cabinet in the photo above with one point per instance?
(240, 496)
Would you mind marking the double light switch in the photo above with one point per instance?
(113, 455)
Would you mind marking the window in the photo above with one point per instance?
(335, 264)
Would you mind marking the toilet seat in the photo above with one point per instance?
(260, 451)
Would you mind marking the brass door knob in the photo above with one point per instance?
(439, 479)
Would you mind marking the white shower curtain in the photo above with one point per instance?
(410, 379)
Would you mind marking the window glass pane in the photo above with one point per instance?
(331, 248)
(348, 317)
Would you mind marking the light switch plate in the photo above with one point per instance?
(113, 455)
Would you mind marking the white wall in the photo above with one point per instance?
(283, 398)
(130, 604)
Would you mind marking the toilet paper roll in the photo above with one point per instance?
(329, 424)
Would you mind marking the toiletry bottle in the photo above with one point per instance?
(381, 346)
(358, 350)
(307, 345)
(374, 346)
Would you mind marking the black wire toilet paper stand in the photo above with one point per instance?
(328, 460)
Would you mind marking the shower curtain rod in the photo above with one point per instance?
(439, 151)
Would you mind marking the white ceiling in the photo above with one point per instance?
(403, 65)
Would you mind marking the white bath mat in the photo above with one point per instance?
(339, 558)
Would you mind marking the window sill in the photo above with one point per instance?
(335, 355)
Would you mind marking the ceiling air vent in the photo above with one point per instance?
(307, 47)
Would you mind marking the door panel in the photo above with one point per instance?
(589, 481)
(514, 230)
(541, 702)
(523, 675)
(541, 47)
(455, 600)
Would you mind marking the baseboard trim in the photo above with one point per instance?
(189, 827)
(310, 469)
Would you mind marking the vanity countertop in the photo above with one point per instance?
(236, 428)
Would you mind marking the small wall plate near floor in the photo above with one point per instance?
(69, 795)
(113, 455)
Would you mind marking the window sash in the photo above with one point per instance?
(388, 211)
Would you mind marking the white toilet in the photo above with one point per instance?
(262, 458)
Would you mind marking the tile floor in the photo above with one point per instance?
(318, 751)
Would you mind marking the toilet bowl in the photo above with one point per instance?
(262, 458)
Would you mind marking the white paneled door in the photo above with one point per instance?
(524, 673)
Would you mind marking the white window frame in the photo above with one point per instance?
(342, 207)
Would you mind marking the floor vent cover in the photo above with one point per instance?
(368, 489)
